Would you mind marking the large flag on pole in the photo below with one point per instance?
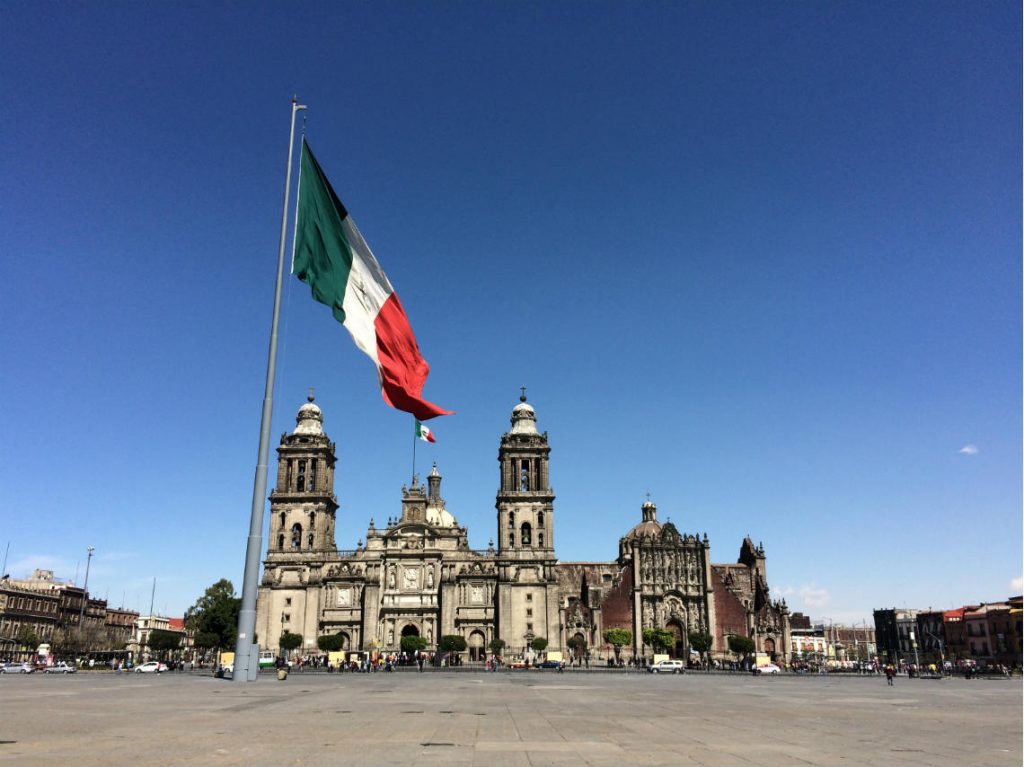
(331, 256)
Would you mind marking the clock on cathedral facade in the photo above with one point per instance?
(417, 575)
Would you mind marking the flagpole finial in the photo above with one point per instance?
(309, 397)
(522, 394)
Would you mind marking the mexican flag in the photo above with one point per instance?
(424, 433)
(331, 256)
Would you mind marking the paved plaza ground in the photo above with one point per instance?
(520, 718)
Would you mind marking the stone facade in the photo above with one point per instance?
(416, 574)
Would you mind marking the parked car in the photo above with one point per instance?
(768, 668)
(550, 664)
(152, 667)
(60, 668)
(667, 667)
(17, 668)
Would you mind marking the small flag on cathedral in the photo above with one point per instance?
(424, 433)
(330, 255)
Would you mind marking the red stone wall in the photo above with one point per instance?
(617, 607)
(730, 616)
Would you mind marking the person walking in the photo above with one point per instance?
(890, 672)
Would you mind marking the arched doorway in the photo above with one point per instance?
(346, 640)
(769, 647)
(678, 649)
(476, 646)
(579, 646)
(409, 630)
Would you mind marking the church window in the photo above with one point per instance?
(296, 536)
(282, 519)
(524, 475)
(288, 473)
(288, 601)
(529, 597)
(540, 537)
(300, 484)
(529, 612)
(309, 541)
(280, 541)
(540, 519)
(312, 520)
(529, 627)
(524, 534)
(312, 475)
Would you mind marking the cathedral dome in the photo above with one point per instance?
(524, 418)
(649, 525)
(310, 419)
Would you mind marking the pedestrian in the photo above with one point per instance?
(890, 672)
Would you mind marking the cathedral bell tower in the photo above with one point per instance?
(525, 500)
(302, 505)
(527, 593)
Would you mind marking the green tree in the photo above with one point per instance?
(204, 640)
(290, 641)
(162, 642)
(216, 613)
(27, 638)
(741, 645)
(659, 639)
(539, 644)
(617, 638)
(701, 641)
(413, 644)
(577, 644)
(452, 643)
(497, 645)
(330, 642)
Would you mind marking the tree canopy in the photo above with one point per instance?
(577, 643)
(27, 637)
(161, 642)
(741, 645)
(290, 641)
(539, 644)
(700, 641)
(330, 642)
(216, 613)
(659, 639)
(497, 645)
(617, 638)
(452, 643)
(413, 643)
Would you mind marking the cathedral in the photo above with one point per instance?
(417, 575)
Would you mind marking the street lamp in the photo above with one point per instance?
(917, 661)
(85, 595)
(281, 641)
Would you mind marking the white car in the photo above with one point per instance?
(152, 667)
(768, 668)
(60, 668)
(17, 668)
(667, 667)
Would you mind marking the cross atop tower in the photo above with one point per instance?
(309, 397)
(522, 394)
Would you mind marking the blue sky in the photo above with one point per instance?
(763, 262)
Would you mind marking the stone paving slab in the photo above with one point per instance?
(519, 719)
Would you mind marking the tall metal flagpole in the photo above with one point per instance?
(254, 547)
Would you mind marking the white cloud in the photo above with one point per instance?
(971, 449)
(1017, 585)
(24, 567)
(783, 591)
(813, 596)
